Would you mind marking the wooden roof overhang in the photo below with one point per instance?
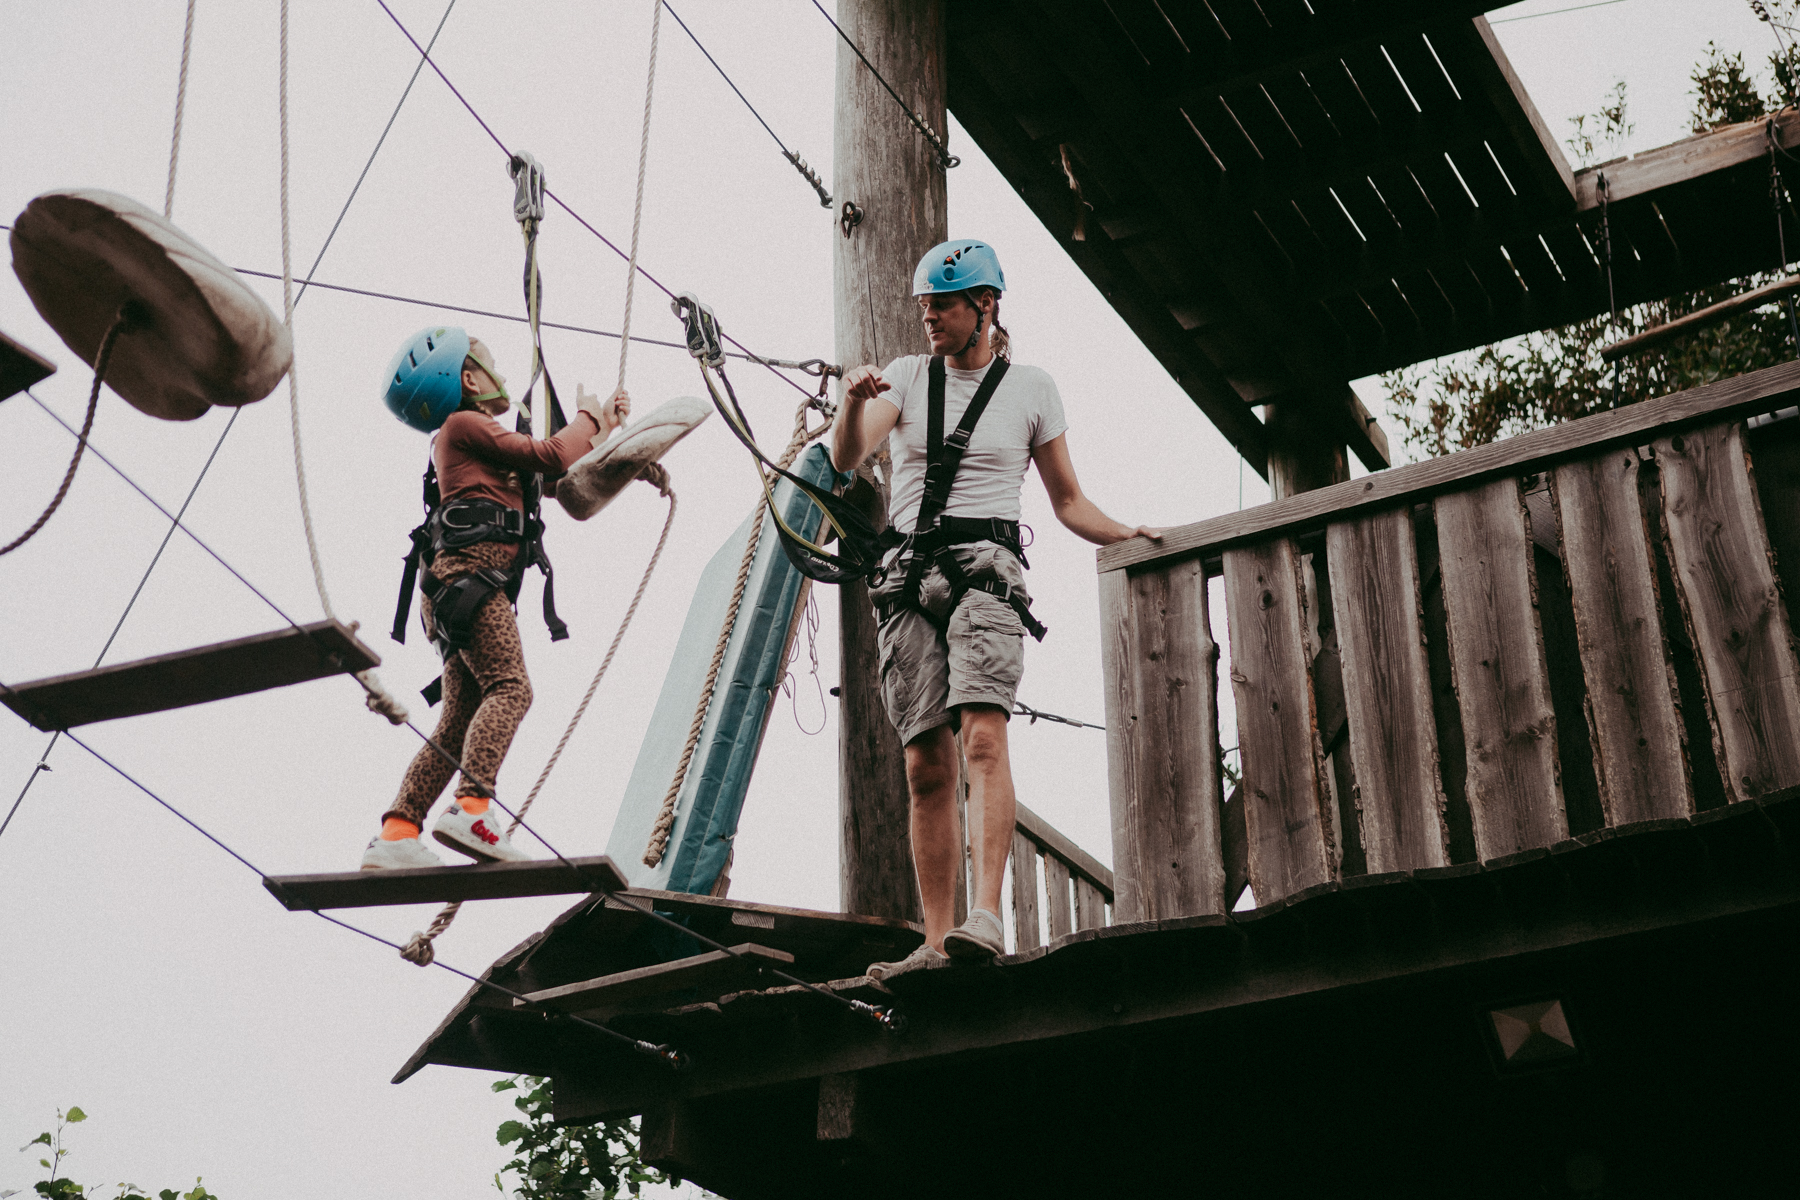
(1290, 194)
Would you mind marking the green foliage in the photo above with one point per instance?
(1556, 375)
(567, 1162)
(67, 1189)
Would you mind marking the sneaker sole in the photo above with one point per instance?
(461, 847)
(964, 948)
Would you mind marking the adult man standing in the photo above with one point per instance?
(965, 422)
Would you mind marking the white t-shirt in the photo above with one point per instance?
(1025, 412)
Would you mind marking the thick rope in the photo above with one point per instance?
(87, 424)
(187, 45)
(419, 949)
(377, 697)
(637, 214)
(665, 818)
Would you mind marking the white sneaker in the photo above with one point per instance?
(478, 837)
(978, 939)
(405, 852)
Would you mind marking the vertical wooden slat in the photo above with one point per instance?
(1090, 906)
(1162, 742)
(1387, 691)
(1497, 661)
(1056, 896)
(1286, 813)
(1026, 935)
(1607, 557)
(1720, 558)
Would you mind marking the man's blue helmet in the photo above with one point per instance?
(424, 382)
(957, 267)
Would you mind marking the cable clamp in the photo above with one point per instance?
(704, 340)
(528, 178)
(888, 1016)
(807, 173)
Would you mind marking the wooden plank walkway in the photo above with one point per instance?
(435, 885)
(288, 656)
(710, 975)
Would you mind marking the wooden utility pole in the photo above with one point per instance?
(892, 177)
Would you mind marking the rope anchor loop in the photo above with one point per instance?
(851, 217)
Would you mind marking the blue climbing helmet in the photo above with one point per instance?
(957, 267)
(424, 382)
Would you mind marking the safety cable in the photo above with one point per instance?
(807, 173)
(670, 1056)
(637, 210)
(1612, 302)
(944, 157)
(1022, 709)
(42, 764)
(560, 202)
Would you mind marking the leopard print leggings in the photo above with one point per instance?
(486, 694)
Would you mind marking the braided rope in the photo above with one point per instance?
(378, 698)
(187, 45)
(87, 424)
(419, 949)
(637, 215)
(665, 818)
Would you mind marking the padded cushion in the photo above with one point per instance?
(602, 474)
(209, 339)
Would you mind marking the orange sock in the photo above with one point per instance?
(397, 829)
(475, 806)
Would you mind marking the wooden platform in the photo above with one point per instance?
(187, 677)
(708, 976)
(433, 885)
(20, 367)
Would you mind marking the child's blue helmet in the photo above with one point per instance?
(957, 267)
(424, 382)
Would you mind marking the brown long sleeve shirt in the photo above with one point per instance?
(477, 458)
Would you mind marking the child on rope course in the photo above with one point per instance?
(953, 606)
(480, 536)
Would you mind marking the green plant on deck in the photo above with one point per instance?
(567, 1162)
(64, 1188)
(1556, 375)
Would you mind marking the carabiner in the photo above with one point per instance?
(528, 177)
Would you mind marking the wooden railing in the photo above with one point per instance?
(1078, 890)
(1464, 659)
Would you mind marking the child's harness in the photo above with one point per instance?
(460, 523)
(934, 534)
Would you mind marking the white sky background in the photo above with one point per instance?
(147, 976)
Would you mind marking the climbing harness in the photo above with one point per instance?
(935, 536)
(859, 544)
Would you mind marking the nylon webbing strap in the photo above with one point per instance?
(943, 456)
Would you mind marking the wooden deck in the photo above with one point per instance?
(1286, 195)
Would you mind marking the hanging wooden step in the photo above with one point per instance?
(235, 668)
(20, 367)
(436, 885)
(708, 976)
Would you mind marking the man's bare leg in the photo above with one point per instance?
(992, 803)
(931, 771)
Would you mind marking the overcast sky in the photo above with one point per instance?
(148, 977)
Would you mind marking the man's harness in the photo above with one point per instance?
(935, 535)
(455, 525)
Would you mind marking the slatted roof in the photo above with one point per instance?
(1290, 194)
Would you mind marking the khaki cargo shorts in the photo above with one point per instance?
(928, 672)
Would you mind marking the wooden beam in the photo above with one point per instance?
(1712, 314)
(1531, 137)
(1743, 395)
(1666, 166)
(710, 975)
(20, 367)
(436, 885)
(186, 677)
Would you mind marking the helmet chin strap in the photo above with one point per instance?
(974, 338)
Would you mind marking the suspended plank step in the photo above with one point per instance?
(168, 681)
(433, 885)
(20, 367)
(708, 976)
